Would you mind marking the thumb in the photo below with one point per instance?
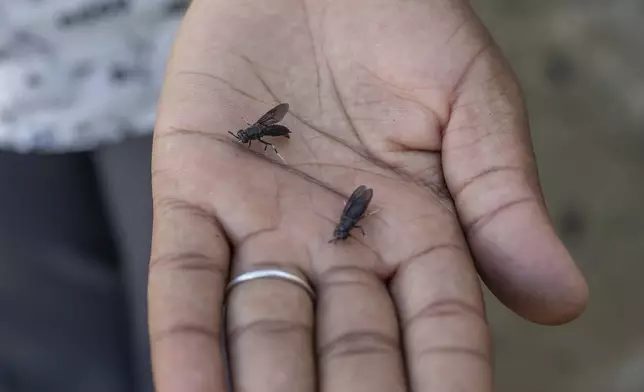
(491, 173)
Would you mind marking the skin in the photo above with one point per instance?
(412, 99)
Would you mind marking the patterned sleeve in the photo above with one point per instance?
(75, 74)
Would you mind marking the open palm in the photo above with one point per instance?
(411, 99)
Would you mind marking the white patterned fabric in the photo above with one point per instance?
(75, 74)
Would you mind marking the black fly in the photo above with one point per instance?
(353, 212)
(265, 126)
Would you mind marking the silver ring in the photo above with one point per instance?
(271, 274)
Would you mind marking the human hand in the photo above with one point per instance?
(410, 98)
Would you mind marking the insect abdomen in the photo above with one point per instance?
(277, 130)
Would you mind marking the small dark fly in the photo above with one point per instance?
(353, 212)
(265, 126)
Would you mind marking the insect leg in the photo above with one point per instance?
(361, 229)
(363, 217)
(266, 144)
(249, 143)
(372, 213)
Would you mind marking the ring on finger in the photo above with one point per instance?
(271, 273)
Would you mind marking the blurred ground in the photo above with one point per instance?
(581, 64)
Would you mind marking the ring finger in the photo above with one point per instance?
(270, 334)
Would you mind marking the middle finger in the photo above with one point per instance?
(358, 338)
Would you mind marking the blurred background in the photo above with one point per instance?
(581, 64)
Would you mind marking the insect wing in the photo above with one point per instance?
(274, 115)
(358, 202)
(276, 130)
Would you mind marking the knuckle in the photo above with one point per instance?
(180, 331)
(169, 206)
(348, 276)
(189, 261)
(279, 329)
(422, 255)
(488, 216)
(443, 308)
(485, 175)
(358, 343)
(470, 352)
